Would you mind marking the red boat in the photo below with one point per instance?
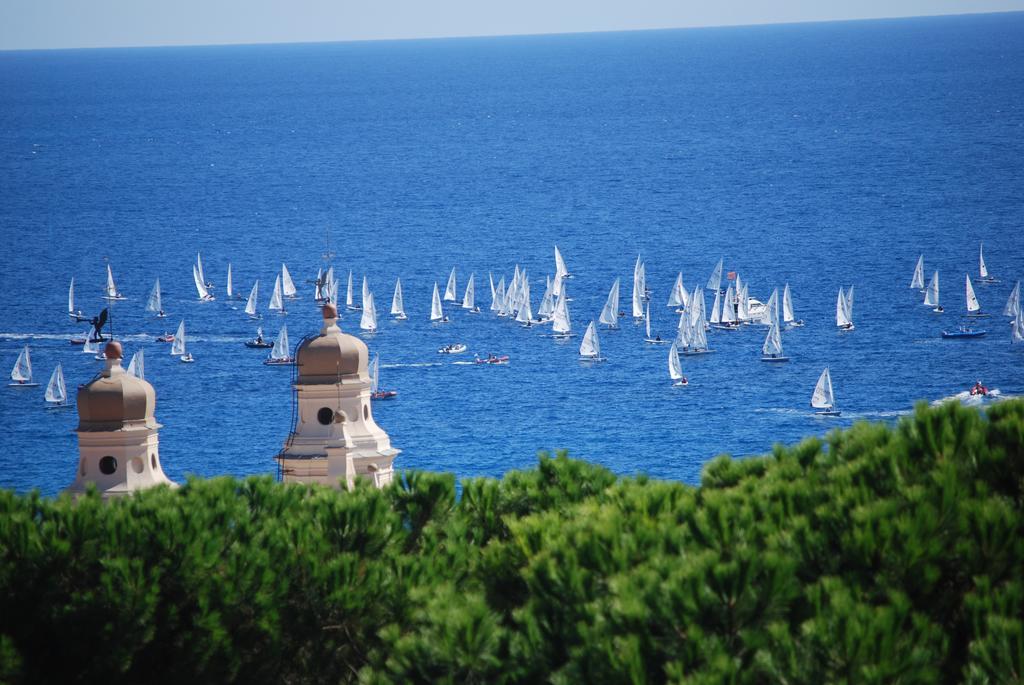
(979, 389)
(166, 337)
(383, 394)
(493, 359)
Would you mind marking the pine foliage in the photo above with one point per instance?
(881, 555)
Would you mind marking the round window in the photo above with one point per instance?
(152, 460)
(108, 465)
(366, 412)
(137, 465)
(325, 416)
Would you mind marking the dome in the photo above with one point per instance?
(116, 400)
(332, 355)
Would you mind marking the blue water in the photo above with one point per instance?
(820, 155)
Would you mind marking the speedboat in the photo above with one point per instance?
(493, 359)
(283, 361)
(166, 338)
(259, 342)
(383, 394)
(454, 348)
(963, 332)
(979, 390)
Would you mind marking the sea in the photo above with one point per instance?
(821, 155)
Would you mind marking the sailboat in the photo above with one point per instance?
(178, 348)
(931, 295)
(524, 312)
(21, 374)
(973, 306)
(675, 369)
(204, 293)
(154, 304)
(368, 321)
(678, 297)
(451, 289)
(250, 304)
(787, 309)
(287, 284)
(202, 274)
(771, 350)
(610, 313)
(983, 275)
(560, 322)
(349, 303)
(918, 280)
(1017, 334)
(72, 312)
(823, 399)
(276, 300)
(376, 392)
(649, 339)
(397, 305)
(693, 330)
(561, 271)
(716, 316)
(56, 392)
(1013, 302)
(469, 297)
(280, 353)
(843, 312)
(436, 311)
(590, 347)
(715, 281)
(729, 321)
(92, 342)
(137, 366)
(639, 290)
(111, 292)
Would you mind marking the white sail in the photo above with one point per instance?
(931, 295)
(111, 288)
(22, 371)
(178, 347)
(842, 318)
(918, 280)
(982, 269)
(823, 398)
(716, 315)
(230, 289)
(683, 331)
(368, 321)
(610, 313)
(71, 297)
(787, 306)
(56, 391)
(561, 271)
(591, 345)
(647, 320)
(365, 295)
(729, 307)
(496, 304)
(204, 294)
(524, 313)
(397, 305)
(287, 284)
(715, 281)
(1013, 302)
(547, 303)
(91, 346)
(972, 300)
(155, 302)
(698, 336)
(639, 285)
(772, 342)
(375, 374)
(677, 298)
(743, 306)
(490, 278)
(250, 304)
(849, 303)
(436, 311)
(137, 366)
(348, 293)
(280, 350)
(469, 297)
(675, 369)
(199, 268)
(451, 289)
(561, 324)
(276, 302)
(1017, 335)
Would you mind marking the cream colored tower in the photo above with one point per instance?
(335, 436)
(118, 445)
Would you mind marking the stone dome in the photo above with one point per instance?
(116, 400)
(332, 356)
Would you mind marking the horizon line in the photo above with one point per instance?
(394, 39)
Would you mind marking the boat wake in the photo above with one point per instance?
(412, 365)
(970, 400)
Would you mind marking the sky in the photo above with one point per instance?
(36, 24)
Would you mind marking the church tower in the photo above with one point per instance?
(118, 445)
(335, 437)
